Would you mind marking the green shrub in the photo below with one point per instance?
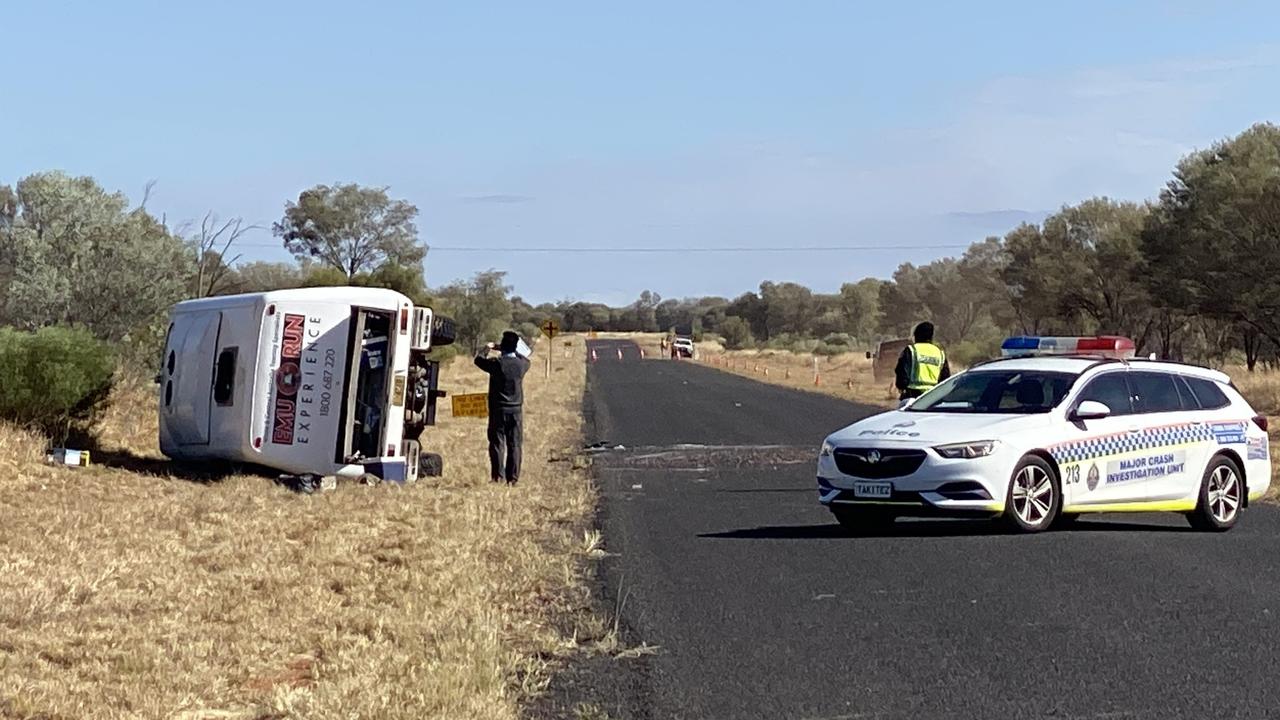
(55, 379)
(736, 333)
(529, 331)
(840, 342)
(967, 352)
(140, 354)
(806, 346)
(444, 353)
(827, 350)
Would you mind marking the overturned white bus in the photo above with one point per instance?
(326, 381)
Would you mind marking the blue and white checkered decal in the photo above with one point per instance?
(1127, 442)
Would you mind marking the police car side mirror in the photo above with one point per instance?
(904, 404)
(1090, 410)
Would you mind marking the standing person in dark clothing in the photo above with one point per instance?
(922, 364)
(506, 406)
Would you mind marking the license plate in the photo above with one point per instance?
(880, 490)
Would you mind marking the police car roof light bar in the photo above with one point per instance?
(1109, 346)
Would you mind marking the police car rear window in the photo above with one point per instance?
(1207, 393)
(1155, 392)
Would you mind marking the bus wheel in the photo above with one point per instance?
(430, 465)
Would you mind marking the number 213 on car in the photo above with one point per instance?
(1071, 475)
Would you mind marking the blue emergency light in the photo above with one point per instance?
(1112, 346)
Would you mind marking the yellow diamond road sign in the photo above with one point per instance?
(550, 328)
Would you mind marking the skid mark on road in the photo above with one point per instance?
(702, 458)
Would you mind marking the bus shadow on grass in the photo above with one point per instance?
(203, 472)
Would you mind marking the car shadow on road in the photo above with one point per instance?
(1081, 526)
(827, 531)
(804, 490)
(924, 528)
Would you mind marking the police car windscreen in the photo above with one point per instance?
(997, 392)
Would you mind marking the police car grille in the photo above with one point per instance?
(892, 463)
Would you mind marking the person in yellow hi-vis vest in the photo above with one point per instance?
(922, 364)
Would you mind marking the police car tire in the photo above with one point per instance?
(859, 521)
(1202, 518)
(1012, 518)
(443, 331)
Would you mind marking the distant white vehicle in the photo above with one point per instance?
(1044, 438)
(329, 380)
(683, 346)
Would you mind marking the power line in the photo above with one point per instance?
(657, 250)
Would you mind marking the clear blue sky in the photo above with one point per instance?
(657, 124)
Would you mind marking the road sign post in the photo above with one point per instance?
(550, 328)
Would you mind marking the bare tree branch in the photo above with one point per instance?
(146, 194)
(213, 243)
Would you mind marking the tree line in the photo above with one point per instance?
(1188, 274)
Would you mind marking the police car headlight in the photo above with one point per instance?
(966, 451)
(827, 448)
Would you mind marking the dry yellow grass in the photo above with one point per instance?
(846, 376)
(126, 594)
(1262, 389)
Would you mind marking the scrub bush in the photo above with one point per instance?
(840, 342)
(967, 352)
(55, 379)
(736, 333)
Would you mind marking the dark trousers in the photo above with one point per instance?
(506, 427)
(909, 393)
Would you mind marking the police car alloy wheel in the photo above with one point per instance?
(1221, 496)
(1033, 498)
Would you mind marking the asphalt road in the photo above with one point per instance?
(757, 606)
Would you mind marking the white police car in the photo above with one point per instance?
(1058, 427)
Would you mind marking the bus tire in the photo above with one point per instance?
(430, 465)
(443, 331)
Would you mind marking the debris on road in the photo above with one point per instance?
(309, 483)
